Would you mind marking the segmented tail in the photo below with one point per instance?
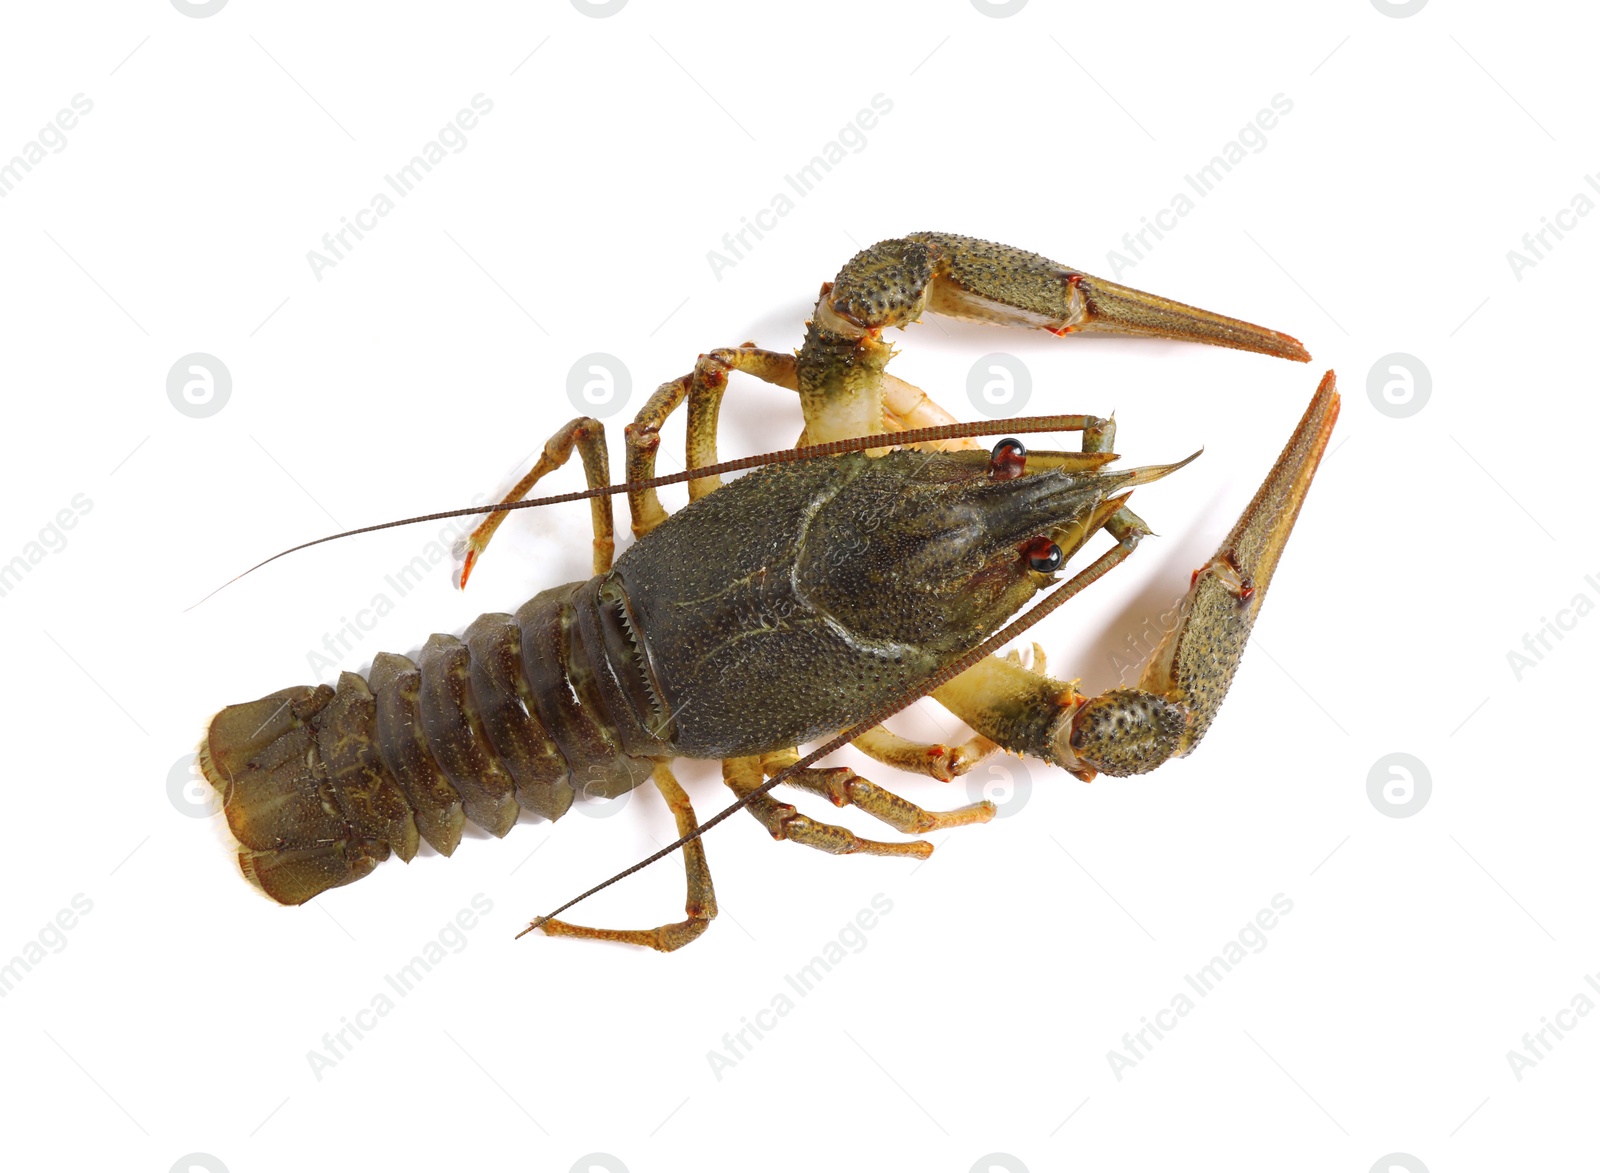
(320, 784)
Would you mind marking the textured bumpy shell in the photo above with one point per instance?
(747, 661)
(885, 285)
(860, 578)
(1197, 661)
(319, 784)
(1124, 730)
(783, 607)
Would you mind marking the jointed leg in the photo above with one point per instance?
(841, 787)
(844, 787)
(710, 380)
(782, 821)
(936, 760)
(904, 407)
(589, 437)
(700, 906)
(641, 439)
(703, 389)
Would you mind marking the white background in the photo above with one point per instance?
(423, 369)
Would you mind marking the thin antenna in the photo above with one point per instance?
(1027, 423)
(950, 671)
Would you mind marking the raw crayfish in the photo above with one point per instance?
(791, 604)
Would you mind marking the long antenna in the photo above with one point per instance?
(1023, 424)
(950, 671)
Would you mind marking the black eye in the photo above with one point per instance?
(1008, 460)
(1043, 555)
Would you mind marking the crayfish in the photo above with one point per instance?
(806, 600)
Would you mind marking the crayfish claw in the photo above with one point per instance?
(1131, 731)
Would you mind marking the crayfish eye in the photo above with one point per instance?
(1043, 555)
(1008, 461)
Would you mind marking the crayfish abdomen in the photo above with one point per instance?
(320, 784)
